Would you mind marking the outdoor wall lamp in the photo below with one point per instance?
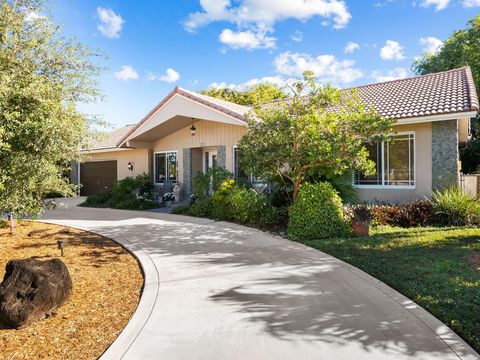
(193, 129)
(130, 166)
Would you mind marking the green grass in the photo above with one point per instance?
(429, 265)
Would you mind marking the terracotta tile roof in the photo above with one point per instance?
(433, 94)
(111, 139)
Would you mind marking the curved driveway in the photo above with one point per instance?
(215, 290)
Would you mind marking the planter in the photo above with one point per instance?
(360, 228)
(177, 192)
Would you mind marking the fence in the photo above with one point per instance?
(470, 184)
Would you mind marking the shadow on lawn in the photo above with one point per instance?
(292, 292)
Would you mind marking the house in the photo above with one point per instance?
(188, 132)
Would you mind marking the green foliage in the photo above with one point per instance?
(453, 207)
(129, 193)
(301, 136)
(316, 213)
(431, 266)
(261, 93)
(181, 210)
(460, 49)
(206, 184)
(43, 77)
(240, 204)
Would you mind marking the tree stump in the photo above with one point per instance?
(31, 290)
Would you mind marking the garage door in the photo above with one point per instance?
(96, 176)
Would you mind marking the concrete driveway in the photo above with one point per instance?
(215, 290)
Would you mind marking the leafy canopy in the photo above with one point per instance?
(261, 93)
(460, 49)
(42, 78)
(318, 130)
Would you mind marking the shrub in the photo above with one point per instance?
(206, 184)
(415, 213)
(122, 195)
(316, 213)
(453, 207)
(181, 210)
(359, 214)
(385, 214)
(240, 204)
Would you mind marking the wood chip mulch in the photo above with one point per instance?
(107, 284)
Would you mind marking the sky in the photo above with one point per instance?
(153, 46)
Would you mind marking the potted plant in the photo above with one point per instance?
(360, 219)
(177, 191)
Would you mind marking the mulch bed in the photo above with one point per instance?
(107, 284)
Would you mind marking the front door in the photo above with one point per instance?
(209, 159)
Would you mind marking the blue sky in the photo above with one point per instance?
(152, 46)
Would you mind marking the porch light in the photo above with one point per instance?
(193, 129)
(130, 166)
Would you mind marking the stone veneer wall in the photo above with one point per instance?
(187, 172)
(222, 156)
(445, 171)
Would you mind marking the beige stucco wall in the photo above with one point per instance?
(423, 170)
(139, 158)
(208, 134)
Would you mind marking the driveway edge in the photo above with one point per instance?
(120, 346)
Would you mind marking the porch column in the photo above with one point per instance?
(222, 156)
(187, 172)
(445, 154)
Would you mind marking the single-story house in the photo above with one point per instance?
(188, 132)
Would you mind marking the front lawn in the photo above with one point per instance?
(438, 268)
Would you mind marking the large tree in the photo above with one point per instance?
(317, 130)
(43, 76)
(460, 49)
(260, 93)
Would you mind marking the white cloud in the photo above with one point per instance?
(110, 23)
(170, 76)
(438, 4)
(392, 51)
(264, 13)
(351, 47)
(32, 16)
(327, 68)
(397, 73)
(297, 36)
(127, 73)
(431, 44)
(248, 40)
(274, 80)
(471, 3)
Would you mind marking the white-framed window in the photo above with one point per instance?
(395, 163)
(165, 166)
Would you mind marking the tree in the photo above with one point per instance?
(43, 76)
(460, 49)
(261, 93)
(319, 129)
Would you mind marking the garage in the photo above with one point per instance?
(96, 176)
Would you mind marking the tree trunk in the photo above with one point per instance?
(11, 222)
(296, 187)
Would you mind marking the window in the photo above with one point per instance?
(395, 163)
(238, 172)
(165, 166)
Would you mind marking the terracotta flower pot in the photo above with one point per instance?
(360, 228)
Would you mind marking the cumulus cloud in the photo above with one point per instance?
(266, 12)
(395, 74)
(248, 40)
(274, 80)
(438, 4)
(392, 50)
(431, 44)
(126, 73)
(471, 3)
(110, 24)
(170, 76)
(297, 36)
(327, 68)
(351, 47)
